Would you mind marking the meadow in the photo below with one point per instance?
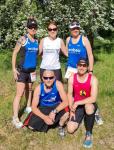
(24, 139)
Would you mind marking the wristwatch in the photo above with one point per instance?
(54, 111)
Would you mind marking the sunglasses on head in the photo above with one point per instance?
(82, 65)
(48, 78)
(52, 29)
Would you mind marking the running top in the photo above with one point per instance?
(50, 58)
(28, 55)
(81, 90)
(75, 52)
(51, 98)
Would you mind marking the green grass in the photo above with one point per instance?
(24, 139)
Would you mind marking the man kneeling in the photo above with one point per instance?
(82, 94)
(48, 105)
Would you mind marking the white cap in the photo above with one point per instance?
(74, 24)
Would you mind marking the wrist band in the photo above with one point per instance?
(91, 71)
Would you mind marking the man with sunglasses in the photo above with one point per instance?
(24, 72)
(82, 94)
(48, 104)
(79, 47)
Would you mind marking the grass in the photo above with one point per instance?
(24, 139)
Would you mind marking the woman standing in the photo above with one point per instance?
(78, 47)
(24, 72)
(50, 47)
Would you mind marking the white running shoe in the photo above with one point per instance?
(98, 120)
(18, 124)
(28, 110)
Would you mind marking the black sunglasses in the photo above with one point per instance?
(48, 78)
(32, 27)
(75, 28)
(82, 65)
(52, 29)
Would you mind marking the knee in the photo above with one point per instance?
(89, 109)
(19, 95)
(71, 127)
(65, 116)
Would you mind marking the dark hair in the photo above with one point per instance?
(52, 22)
(31, 22)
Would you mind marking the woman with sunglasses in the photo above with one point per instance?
(78, 46)
(50, 47)
(24, 72)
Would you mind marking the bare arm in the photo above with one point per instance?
(64, 49)
(89, 52)
(94, 92)
(14, 55)
(41, 47)
(63, 96)
(35, 108)
(70, 92)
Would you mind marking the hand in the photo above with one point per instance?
(73, 107)
(52, 116)
(72, 115)
(15, 73)
(48, 120)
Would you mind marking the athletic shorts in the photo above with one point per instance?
(25, 77)
(80, 113)
(38, 124)
(57, 72)
(70, 71)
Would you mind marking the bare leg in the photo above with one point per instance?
(28, 94)
(19, 93)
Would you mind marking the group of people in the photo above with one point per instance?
(51, 106)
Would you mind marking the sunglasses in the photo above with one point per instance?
(82, 65)
(33, 27)
(75, 28)
(48, 78)
(52, 29)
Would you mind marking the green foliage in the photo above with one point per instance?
(94, 15)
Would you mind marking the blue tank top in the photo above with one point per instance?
(28, 55)
(51, 98)
(75, 52)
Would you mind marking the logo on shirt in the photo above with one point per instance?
(82, 93)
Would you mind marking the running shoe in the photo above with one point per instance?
(18, 124)
(98, 119)
(61, 131)
(88, 143)
(27, 110)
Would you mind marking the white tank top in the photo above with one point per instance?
(50, 58)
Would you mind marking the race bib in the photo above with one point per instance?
(33, 76)
(69, 72)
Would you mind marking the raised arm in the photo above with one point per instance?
(89, 52)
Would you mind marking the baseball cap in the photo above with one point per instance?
(74, 24)
(83, 60)
(32, 23)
